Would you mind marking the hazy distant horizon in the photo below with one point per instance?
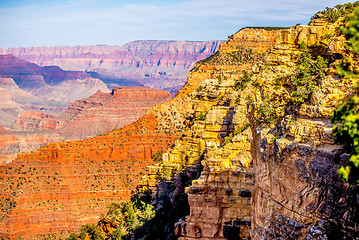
(36, 23)
(107, 45)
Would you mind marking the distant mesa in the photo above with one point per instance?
(155, 64)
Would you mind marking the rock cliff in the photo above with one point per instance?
(155, 64)
(279, 176)
(255, 115)
(63, 185)
(100, 113)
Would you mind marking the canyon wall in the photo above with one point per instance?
(269, 159)
(64, 185)
(269, 164)
(49, 83)
(98, 114)
(155, 64)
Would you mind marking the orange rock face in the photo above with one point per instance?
(113, 110)
(64, 185)
(100, 113)
(84, 118)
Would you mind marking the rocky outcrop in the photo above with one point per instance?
(100, 113)
(298, 193)
(291, 190)
(34, 121)
(122, 107)
(218, 137)
(155, 64)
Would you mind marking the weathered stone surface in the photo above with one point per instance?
(297, 193)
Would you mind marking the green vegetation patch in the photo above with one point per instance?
(333, 14)
(309, 72)
(346, 116)
(266, 28)
(346, 131)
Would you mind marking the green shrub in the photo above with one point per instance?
(308, 74)
(351, 31)
(242, 83)
(157, 157)
(346, 131)
(333, 14)
(92, 231)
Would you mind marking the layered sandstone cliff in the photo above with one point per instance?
(98, 114)
(61, 186)
(291, 190)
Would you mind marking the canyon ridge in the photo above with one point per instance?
(243, 151)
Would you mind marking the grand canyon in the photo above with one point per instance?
(184, 140)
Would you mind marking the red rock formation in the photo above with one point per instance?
(97, 114)
(31, 121)
(3, 130)
(100, 113)
(64, 185)
(73, 182)
(118, 109)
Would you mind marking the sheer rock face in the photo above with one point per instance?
(155, 64)
(296, 192)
